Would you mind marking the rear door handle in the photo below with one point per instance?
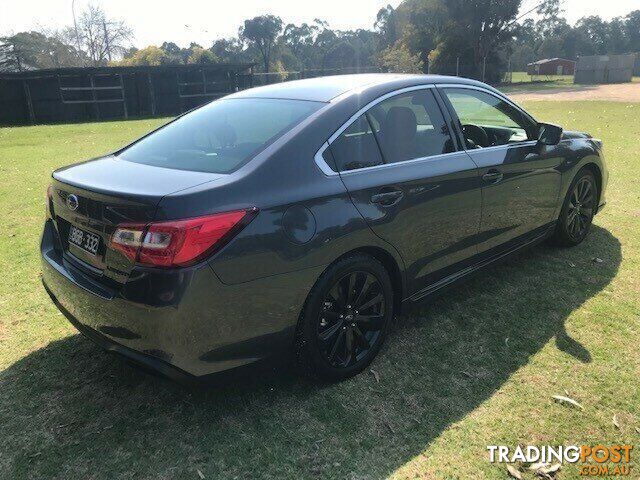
(493, 176)
(387, 198)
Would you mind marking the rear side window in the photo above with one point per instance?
(220, 137)
(410, 126)
(356, 147)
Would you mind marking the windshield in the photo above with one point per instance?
(219, 137)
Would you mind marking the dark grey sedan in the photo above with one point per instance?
(296, 220)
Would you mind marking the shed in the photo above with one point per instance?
(605, 69)
(552, 66)
(101, 93)
(636, 66)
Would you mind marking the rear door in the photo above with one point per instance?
(520, 178)
(407, 178)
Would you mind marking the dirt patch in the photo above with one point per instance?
(626, 92)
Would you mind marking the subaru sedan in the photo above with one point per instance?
(296, 220)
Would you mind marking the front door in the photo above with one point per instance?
(520, 178)
(400, 165)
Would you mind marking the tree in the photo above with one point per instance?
(632, 27)
(228, 50)
(101, 38)
(484, 27)
(399, 59)
(422, 23)
(150, 56)
(34, 50)
(175, 54)
(200, 55)
(262, 33)
(478, 33)
(299, 40)
(387, 26)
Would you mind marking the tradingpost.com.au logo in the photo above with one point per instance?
(591, 460)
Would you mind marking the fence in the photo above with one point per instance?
(83, 94)
(270, 78)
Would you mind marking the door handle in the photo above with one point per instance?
(387, 198)
(493, 176)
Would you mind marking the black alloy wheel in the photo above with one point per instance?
(351, 319)
(345, 319)
(577, 213)
(581, 205)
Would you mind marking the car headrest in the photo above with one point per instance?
(400, 124)
(225, 134)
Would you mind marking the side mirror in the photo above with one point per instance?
(549, 134)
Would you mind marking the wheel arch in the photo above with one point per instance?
(597, 173)
(390, 264)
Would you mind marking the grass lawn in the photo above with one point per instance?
(524, 77)
(477, 367)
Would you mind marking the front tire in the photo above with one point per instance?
(577, 211)
(345, 319)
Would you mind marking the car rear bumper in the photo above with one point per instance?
(181, 323)
(146, 362)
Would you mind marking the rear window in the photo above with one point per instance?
(219, 137)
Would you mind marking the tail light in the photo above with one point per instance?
(179, 242)
(48, 201)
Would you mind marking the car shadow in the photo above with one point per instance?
(69, 410)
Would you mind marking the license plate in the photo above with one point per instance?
(89, 242)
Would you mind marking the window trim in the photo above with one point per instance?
(450, 113)
(499, 96)
(328, 171)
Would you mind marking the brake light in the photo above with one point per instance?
(179, 242)
(48, 201)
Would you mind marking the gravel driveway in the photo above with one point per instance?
(624, 92)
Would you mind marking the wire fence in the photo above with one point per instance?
(488, 73)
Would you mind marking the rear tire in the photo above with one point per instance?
(345, 319)
(578, 210)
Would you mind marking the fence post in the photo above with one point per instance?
(457, 66)
(152, 95)
(27, 94)
(484, 68)
(124, 99)
(96, 107)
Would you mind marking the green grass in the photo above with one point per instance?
(477, 367)
(524, 77)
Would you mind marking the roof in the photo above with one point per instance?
(115, 70)
(548, 60)
(325, 89)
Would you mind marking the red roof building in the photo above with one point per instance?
(552, 66)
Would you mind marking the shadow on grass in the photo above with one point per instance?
(70, 411)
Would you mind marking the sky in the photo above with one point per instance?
(202, 21)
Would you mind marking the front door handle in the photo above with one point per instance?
(387, 198)
(493, 176)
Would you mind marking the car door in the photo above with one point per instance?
(520, 178)
(412, 184)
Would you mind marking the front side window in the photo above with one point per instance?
(487, 120)
(221, 136)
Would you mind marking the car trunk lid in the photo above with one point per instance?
(89, 200)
